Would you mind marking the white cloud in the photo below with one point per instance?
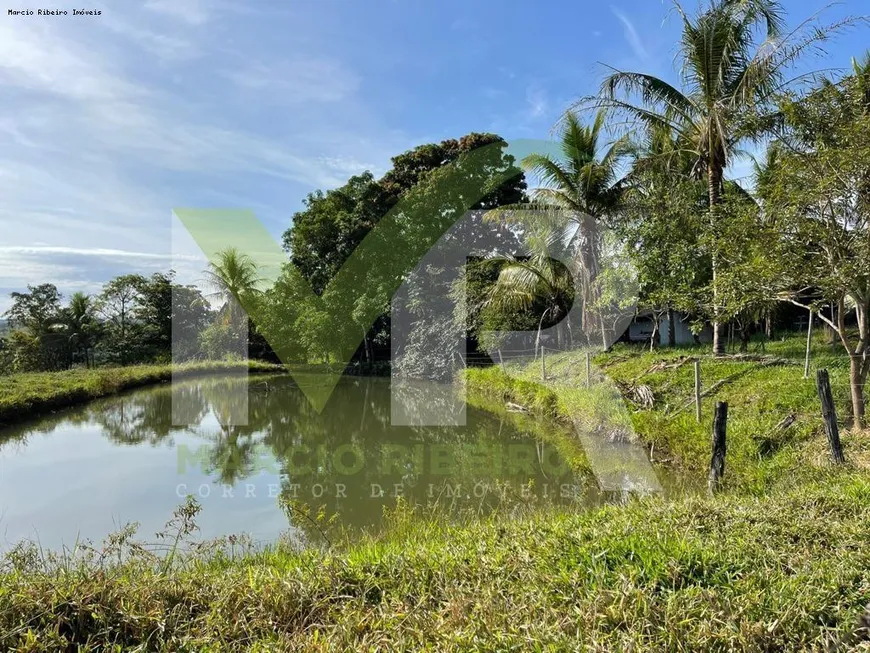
(631, 35)
(124, 119)
(193, 12)
(536, 100)
(306, 79)
(34, 57)
(162, 43)
(40, 250)
(74, 269)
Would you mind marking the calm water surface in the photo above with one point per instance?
(85, 472)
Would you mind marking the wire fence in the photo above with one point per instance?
(801, 387)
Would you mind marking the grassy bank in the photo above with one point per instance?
(775, 433)
(26, 395)
(786, 573)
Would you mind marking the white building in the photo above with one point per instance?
(641, 329)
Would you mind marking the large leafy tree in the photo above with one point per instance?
(334, 223)
(37, 340)
(734, 60)
(816, 194)
(170, 312)
(38, 309)
(662, 223)
(117, 305)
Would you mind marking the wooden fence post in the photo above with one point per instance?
(829, 415)
(543, 364)
(588, 369)
(717, 462)
(809, 346)
(698, 391)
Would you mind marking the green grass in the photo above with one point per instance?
(761, 390)
(26, 395)
(789, 572)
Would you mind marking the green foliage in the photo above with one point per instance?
(581, 192)
(116, 306)
(333, 224)
(535, 285)
(809, 242)
(170, 313)
(483, 317)
(234, 278)
(133, 320)
(734, 58)
(38, 340)
(584, 181)
(663, 222)
(222, 340)
(82, 328)
(323, 235)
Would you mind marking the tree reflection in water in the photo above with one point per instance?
(348, 461)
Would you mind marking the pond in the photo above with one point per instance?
(85, 472)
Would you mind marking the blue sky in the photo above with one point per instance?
(108, 122)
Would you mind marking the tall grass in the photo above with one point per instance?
(25, 395)
(783, 573)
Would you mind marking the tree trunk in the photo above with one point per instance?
(672, 328)
(809, 346)
(366, 349)
(745, 335)
(540, 326)
(857, 378)
(654, 338)
(714, 189)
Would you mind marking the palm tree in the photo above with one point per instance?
(584, 181)
(584, 186)
(80, 325)
(537, 279)
(235, 278)
(236, 281)
(730, 77)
